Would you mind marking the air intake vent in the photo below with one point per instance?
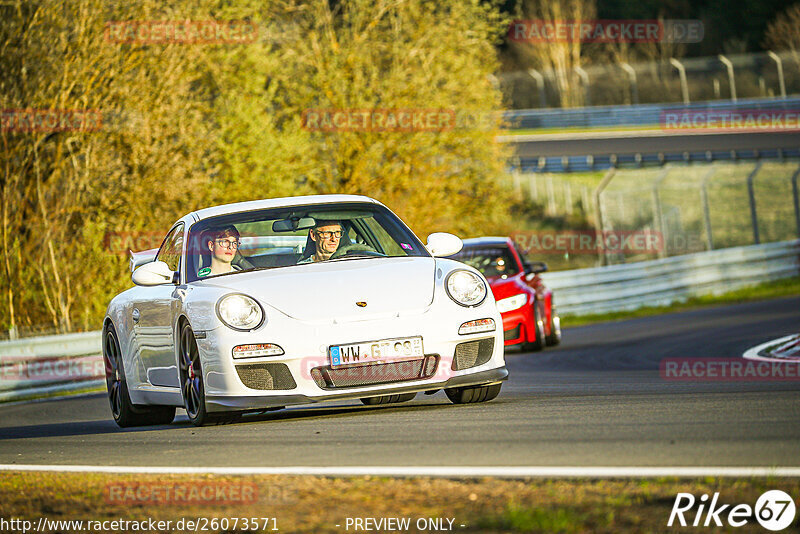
(367, 375)
(266, 376)
(473, 353)
(512, 334)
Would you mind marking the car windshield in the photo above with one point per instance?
(490, 261)
(284, 237)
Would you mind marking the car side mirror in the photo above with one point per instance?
(442, 244)
(140, 258)
(155, 273)
(536, 267)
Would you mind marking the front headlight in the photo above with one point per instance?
(240, 312)
(512, 303)
(465, 287)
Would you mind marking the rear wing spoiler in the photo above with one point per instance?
(140, 258)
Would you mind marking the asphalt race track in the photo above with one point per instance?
(597, 400)
(576, 145)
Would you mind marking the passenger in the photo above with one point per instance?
(223, 244)
(326, 236)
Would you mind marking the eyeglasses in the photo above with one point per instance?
(327, 235)
(226, 243)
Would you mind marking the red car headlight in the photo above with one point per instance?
(512, 303)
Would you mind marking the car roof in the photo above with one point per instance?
(483, 241)
(283, 202)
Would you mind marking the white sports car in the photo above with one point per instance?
(253, 306)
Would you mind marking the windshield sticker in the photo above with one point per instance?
(205, 271)
(406, 246)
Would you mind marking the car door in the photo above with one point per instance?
(153, 317)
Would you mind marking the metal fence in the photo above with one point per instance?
(693, 208)
(685, 80)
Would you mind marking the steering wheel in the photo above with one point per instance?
(355, 249)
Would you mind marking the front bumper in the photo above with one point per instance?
(518, 326)
(218, 403)
(310, 379)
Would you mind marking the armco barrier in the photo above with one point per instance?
(50, 364)
(661, 282)
(639, 115)
(70, 362)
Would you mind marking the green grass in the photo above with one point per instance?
(768, 290)
(520, 518)
(302, 503)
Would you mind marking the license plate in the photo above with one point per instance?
(371, 352)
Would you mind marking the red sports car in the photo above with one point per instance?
(526, 304)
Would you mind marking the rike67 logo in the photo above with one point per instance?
(774, 510)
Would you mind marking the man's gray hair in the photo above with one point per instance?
(327, 223)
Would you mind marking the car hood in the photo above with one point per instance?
(508, 287)
(330, 291)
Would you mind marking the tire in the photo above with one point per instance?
(538, 343)
(555, 329)
(125, 413)
(192, 386)
(473, 394)
(191, 375)
(388, 399)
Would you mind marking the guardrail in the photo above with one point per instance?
(39, 366)
(70, 362)
(664, 281)
(637, 115)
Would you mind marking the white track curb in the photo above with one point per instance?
(753, 353)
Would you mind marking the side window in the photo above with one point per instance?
(170, 252)
(386, 243)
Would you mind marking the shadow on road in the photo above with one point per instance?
(299, 413)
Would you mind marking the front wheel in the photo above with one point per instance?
(472, 394)
(125, 413)
(192, 387)
(555, 329)
(191, 371)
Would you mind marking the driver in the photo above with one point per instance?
(223, 244)
(326, 236)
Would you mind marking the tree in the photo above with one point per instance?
(783, 33)
(187, 125)
(558, 57)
